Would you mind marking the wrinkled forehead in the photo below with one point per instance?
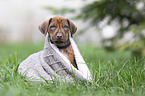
(59, 21)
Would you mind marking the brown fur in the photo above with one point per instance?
(59, 29)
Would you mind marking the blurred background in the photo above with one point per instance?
(110, 37)
(109, 24)
(19, 19)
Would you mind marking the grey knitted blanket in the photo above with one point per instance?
(50, 64)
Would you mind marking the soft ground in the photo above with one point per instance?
(114, 74)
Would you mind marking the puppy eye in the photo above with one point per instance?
(52, 27)
(65, 27)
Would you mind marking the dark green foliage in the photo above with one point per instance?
(119, 10)
(128, 16)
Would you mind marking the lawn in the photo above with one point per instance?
(114, 74)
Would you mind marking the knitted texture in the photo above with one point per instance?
(50, 64)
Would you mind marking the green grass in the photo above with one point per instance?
(114, 73)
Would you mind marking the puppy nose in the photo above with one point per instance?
(59, 35)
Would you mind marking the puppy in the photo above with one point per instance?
(59, 30)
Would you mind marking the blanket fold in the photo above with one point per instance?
(50, 64)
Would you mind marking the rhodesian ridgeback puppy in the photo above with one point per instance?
(59, 30)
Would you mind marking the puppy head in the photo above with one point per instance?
(58, 29)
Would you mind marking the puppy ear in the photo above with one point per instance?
(44, 26)
(73, 28)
